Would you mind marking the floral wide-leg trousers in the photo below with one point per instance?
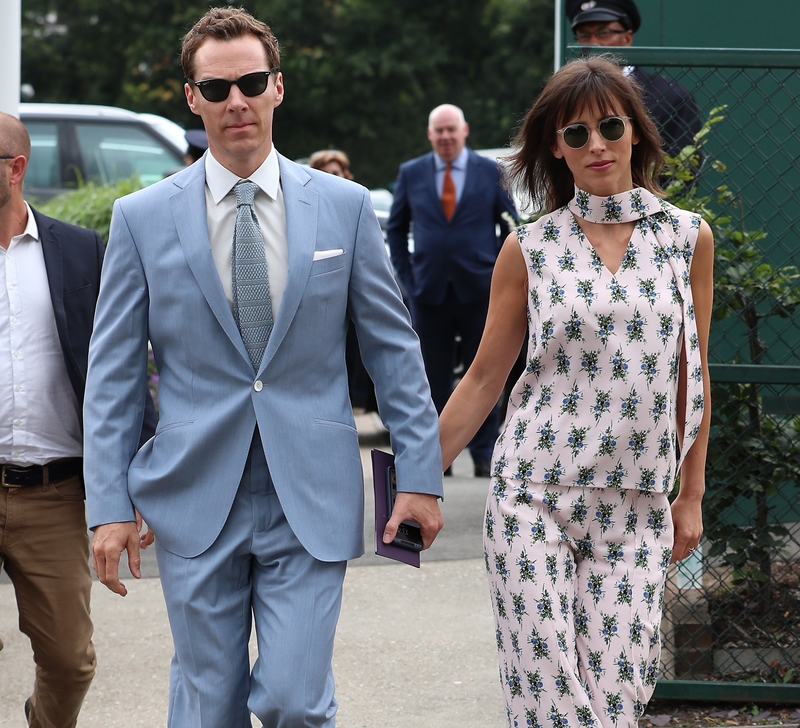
(577, 582)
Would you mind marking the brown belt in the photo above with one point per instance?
(24, 476)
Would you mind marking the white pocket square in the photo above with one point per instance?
(323, 254)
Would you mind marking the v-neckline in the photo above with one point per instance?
(585, 242)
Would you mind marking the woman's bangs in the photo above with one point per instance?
(592, 95)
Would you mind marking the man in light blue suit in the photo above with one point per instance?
(252, 483)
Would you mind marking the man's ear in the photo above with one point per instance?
(191, 99)
(18, 166)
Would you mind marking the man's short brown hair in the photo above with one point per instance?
(227, 23)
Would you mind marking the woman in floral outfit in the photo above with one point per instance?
(612, 287)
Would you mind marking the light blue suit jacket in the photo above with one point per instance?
(159, 283)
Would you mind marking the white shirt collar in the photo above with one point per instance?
(460, 162)
(220, 180)
(31, 229)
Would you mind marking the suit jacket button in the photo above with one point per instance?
(258, 386)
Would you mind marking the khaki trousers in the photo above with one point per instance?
(44, 547)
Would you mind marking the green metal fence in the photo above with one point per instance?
(732, 611)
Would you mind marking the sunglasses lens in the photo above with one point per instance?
(253, 84)
(215, 90)
(612, 128)
(576, 136)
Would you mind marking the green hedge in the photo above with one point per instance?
(89, 205)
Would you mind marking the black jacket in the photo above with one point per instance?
(73, 257)
(673, 109)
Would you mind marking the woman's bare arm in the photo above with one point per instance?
(687, 513)
(506, 326)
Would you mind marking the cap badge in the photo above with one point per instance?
(589, 5)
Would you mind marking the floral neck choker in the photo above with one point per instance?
(626, 206)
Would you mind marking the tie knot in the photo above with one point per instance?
(245, 192)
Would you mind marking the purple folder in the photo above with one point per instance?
(380, 465)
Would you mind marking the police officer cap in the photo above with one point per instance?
(197, 138)
(624, 12)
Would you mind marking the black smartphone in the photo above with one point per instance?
(408, 534)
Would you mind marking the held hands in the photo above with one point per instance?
(687, 518)
(423, 508)
(108, 543)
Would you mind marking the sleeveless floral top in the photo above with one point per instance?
(596, 404)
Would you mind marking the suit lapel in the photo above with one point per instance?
(430, 183)
(54, 265)
(302, 210)
(188, 206)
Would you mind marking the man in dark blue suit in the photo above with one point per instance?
(455, 200)
(49, 280)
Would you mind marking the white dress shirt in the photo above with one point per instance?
(39, 419)
(271, 214)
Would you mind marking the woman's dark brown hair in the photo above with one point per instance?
(598, 82)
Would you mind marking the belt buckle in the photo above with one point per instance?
(3, 483)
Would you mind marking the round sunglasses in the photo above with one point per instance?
(611, 129)
(218, 89)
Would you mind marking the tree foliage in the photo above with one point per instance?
(753, 455)
(360, 75)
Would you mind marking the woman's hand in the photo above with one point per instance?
(687, 519)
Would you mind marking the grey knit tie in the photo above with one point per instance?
(252, 305)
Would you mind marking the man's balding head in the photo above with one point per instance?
(15, 150)
(14, 138)
(447, 131)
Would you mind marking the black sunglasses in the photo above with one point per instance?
(611, 129)
(584, 36)
(218, 89)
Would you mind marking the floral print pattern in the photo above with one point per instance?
(604, 349)
(577, 583)
(578, 530)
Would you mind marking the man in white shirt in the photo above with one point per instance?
(49, 280)
(243, 271)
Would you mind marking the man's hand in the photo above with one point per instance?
(146, 538)
(109, 541)
(421, 508)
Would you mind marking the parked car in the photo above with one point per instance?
(382, 204)
(104, 144)
(498, 154)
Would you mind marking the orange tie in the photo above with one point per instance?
(448, 194)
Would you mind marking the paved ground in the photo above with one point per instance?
(414, 647)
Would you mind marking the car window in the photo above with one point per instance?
(111, 152)
(43, 167)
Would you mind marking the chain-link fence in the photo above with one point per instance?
(732, 611)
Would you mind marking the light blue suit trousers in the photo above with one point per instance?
(257, 562)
